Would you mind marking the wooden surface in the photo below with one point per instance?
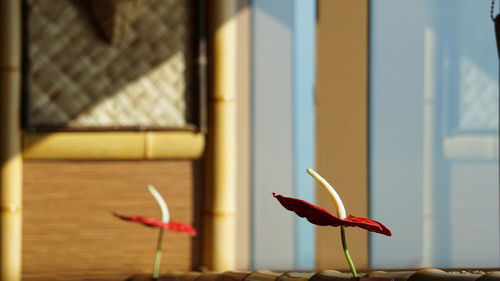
(70, 234)
(342, 123)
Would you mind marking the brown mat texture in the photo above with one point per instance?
(126, 71)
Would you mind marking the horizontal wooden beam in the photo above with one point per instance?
(113, 145)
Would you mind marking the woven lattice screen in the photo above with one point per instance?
(102, 64)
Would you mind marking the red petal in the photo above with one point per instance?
(320, 216)
(181, 227)
(368, 224)
(312, 213)
(174, 226)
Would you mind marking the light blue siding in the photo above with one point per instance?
(304, 125)
(283, 130)
(434, 134)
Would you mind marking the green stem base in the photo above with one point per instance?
(157, 262)
(346, 253)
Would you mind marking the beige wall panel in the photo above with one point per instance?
(243, 139)
(70, 234)
(342, 123)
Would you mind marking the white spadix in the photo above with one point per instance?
(337, 202)
(165, 215)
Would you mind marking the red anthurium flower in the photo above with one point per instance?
(320, 216)
(162, 224)
(171, 225)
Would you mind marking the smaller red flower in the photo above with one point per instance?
(320, 216)
(172, 225)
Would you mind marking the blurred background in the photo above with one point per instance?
(218, 104)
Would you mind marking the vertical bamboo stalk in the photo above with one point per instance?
(220, 204)
(10, 140)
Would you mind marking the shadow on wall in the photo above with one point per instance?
(75, 79)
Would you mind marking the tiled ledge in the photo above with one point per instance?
(326, 275)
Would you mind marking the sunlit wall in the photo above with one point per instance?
(283, 63)
(434, 133)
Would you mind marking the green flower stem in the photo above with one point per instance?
(346, 252)
(157, 263)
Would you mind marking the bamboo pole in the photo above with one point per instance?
(10, 141)
(163, 145)
(219, 245)
(84, 145)
(113, 145)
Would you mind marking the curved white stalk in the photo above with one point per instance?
(165, 215)
(337, 202)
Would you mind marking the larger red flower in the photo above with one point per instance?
(171, 225)
(320, 216)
